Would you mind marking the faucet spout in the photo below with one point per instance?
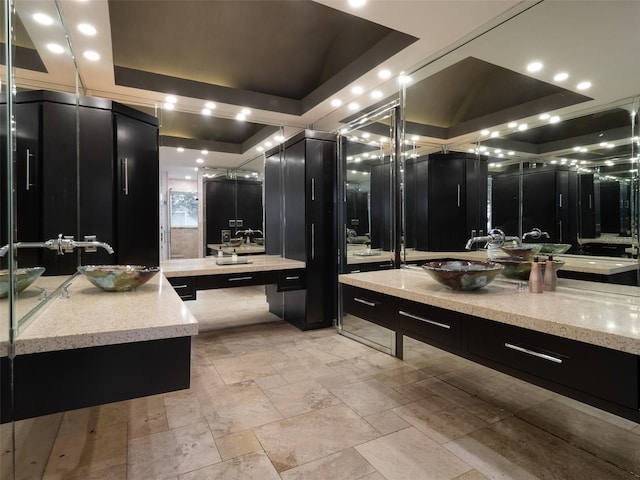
(496, 238)
(535, 233)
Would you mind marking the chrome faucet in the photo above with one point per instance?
(535, 234)
(495, 238)
(60, 245)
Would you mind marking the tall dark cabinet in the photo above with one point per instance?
(589, 207)
(111, 192)
(450, 195)
(305, 192)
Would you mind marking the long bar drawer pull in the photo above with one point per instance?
(415, 317)
(180, 286)
(292, 278)
(236, 279)
(365, 302)
(535, 354)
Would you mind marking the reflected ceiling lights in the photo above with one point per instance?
(55, 48)
(354, 106)
(169, 106)
(199, 160)
(512, 124)
(260, 149)
(245, 111)
(91, 55)
(561, 77)
(204, 152)
(376, 94)
(87, 29)
(511, 152)
(170, 99)
(384, 74)
(210, 105)
(544, 116)
(522, 127)
(583, 85)
(43, 18)
(534, 67)
(357, 90)
(484, 132)
(180, 149)
(336, 102)
(357, 3)
(205, 111)
(554, 119)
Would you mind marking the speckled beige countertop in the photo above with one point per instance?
(574, 263)
(91, 317)
(602, 318)
(187, 267)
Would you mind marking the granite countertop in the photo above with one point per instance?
(188, 267)
(91, 317)
(607, 318)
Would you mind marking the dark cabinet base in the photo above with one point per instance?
(52, 382)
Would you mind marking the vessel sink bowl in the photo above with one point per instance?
(24, 278)
(118, 278)
(554, 248)
(526, 251)
(259, 241)
(520, 268)
(233, 242)
(358, 239)
(463, 274)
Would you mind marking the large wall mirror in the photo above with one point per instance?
(550, 129)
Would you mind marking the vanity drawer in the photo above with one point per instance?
(291, 280)
(372, 306)
(184, 286)
(429, 324)
(369, 267)
(604, 373)
(240, 279)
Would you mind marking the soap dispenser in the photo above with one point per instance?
(550, 279)
(535, 277)
(234, 256)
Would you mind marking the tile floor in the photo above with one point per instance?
(270, 402)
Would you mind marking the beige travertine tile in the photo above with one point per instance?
(183, 409)
(345, 465)
(296, 398)
(409, 455)
(302, 369)
(83, 452)
(271, 381)
(249, 366)
(369, 397)
(205, 377)
(118, 472)
(439, 419)
(146, 415)
(171, 453)
(252, 466)
(310, 436)
(603, 439)
(542, 454)
(472, 475)
(386, 422)
(374, 476)
(85, 420)
(237, 444)
(402, 375)
(595, 412)
(236, 407)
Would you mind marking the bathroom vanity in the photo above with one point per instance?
(98, 347)
(577, 342)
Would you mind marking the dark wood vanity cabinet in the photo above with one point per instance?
(589, 207)
(450, 195)
(305, 196)
(70, 179)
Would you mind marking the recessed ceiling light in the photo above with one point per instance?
(554, 119)
(512, 124)
(245, 111)
(384, 74)
(169, 106)
(485, 132)
(279, 138)
(357, 3)
(376, 94)
(336, 102)
(584, 150)
(357, 159)
(180, 149)
(210, 105)
(43, 18)
(501, 155)
(522, 127)
(268, 144)
(55, 48)
(195, 169)
(170, 99)
(354, 106)
(483, 149)
(583, 85)
(553, 162)
(366, 135)
(576, 149)
(260, 149)
(199, 160)
(187, 177)
(241, 117)
(534, 67)
(383, 139)
(497, 150)
(204, 152)
(87, 29)
(544, 116)
(561, 77)
(603, 144)
(511, 152)
(471, 150)
(357, 90)
(91, 55)
(498, 165)
(495, 134)
(404, 79)
(205, 111)
(415, 138)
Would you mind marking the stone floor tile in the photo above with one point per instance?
(402, 375)
(369, 397)
(298, 440)
(146, 415)
(76, 454)
(472, 475)
(237, 444)
(34, 439)
(119, 472)
(386, 422)
(439, 421)
(236, 407)
(250, 366)
(85, 420)
(183, 409)
(252, 466)
(172, 453)
(271, 381)
(345, 465)
(410, 455)
(296, 398)
(596, 412)
(302, 369)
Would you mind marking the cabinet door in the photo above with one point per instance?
(273, 197)
(505, 203)
(540, 204)
(447, 210)
(219, 209)
(295, 238)
(137, 192)
(587, 206)
(249, 204)
(381, 230)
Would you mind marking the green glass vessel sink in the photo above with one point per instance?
(463, 274)
(24, 278)
(118, 278)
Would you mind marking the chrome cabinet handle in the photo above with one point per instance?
(125, 173)
(313, 188)
(590, 202)
(313, 241)
(355, 271)
(560, 200)
(29, 155)
(431, 322)
(364, 302)
(458, 194)
(179, 286)
(544, 356)
(292, 278)
(236, 279)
